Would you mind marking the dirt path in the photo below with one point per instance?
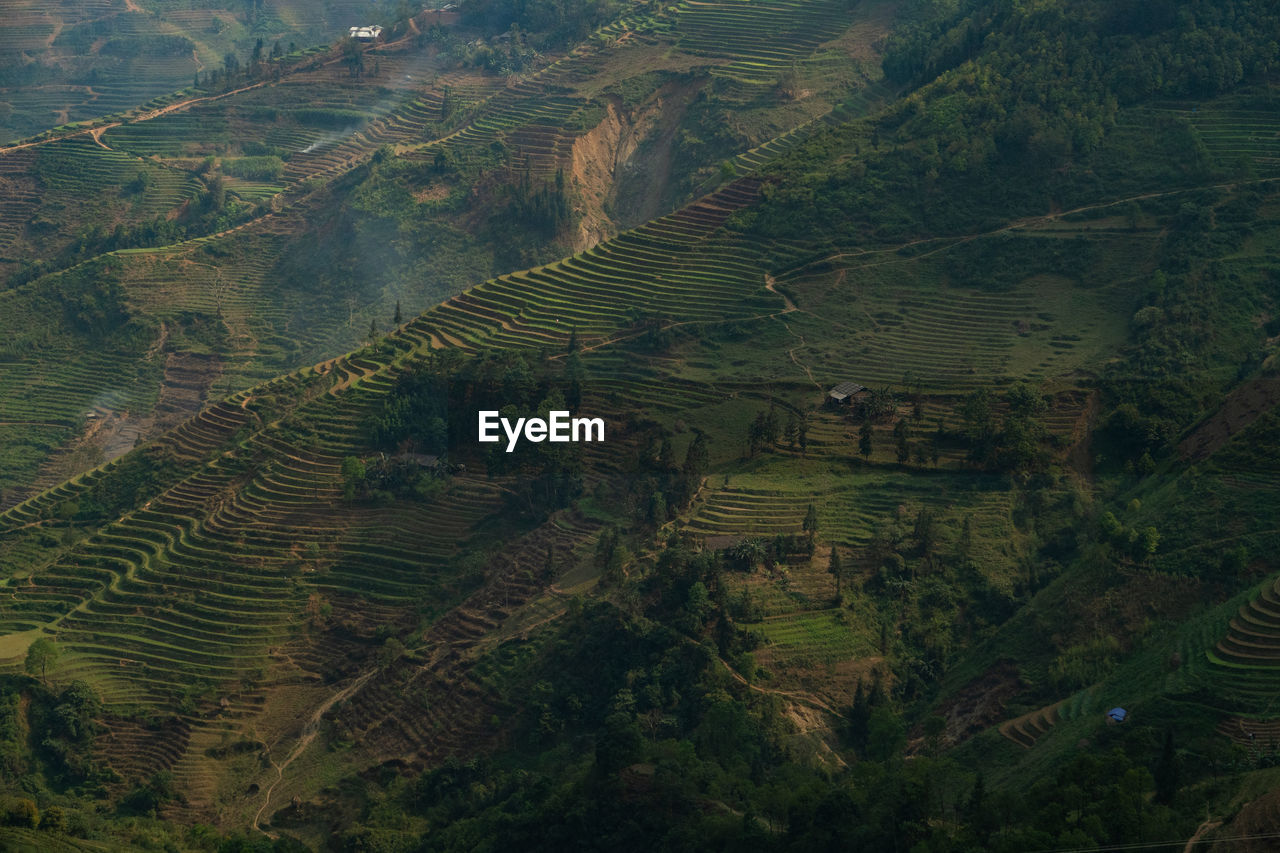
(180, 105)
(96, 132)
(1026, 222)
(626, 336)
(1207, 826)
(805, 698)
(309, 732)
(770, 285)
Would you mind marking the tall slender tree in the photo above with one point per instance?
(835, 570)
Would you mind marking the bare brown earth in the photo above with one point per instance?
(110, 433)
(187, 379)
(597, 156)
(1240, 408)
(980, 704)
(1255, 829)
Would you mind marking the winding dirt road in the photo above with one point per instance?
(309, 732)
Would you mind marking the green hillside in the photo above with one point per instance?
(77, 60)
(261, 587)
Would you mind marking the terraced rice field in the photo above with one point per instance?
(766, 505)
(202, 581)
(672, 267)
(819, 636)
(1244, 666)
(761, 40)
(1234, 134)
(198, 585)
(1029, 728)
(209, 590)
(101, 58)
(907, 318)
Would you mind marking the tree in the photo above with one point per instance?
(697, 459)
(353, 472)
(977, 414)
(857, 718)
(353, 55)
(925, 533)
(666, 454)
(392, 650)
(576, 376)
(802, 433)
(42, 654)
(756, 432)
(771, 426)
(810, 525)
(879, 403)
(1148, 541)
(864, 439)
(750, 551)
(397, 318)
(834, 569)
(215, 197)
(886, 735)
(900, 440)
(1167, 771)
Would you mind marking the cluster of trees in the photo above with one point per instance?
(755, 552)
(258, 64)
(1014, 442)
(414, 414)
(509, 55)
(1014, 113)
(132, 481)
(658, 485)
(633, 735)
(93, 300)
(47, 734)
(1135, 543)
(770, 429)
(385, 478)
(433, 407)
(547, 23)
(541, 210)
(1188, 315)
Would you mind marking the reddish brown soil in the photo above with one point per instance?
(1241, 407)
(979, 704)
(1253, 830)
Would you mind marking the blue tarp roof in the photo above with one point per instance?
(1118, 714)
